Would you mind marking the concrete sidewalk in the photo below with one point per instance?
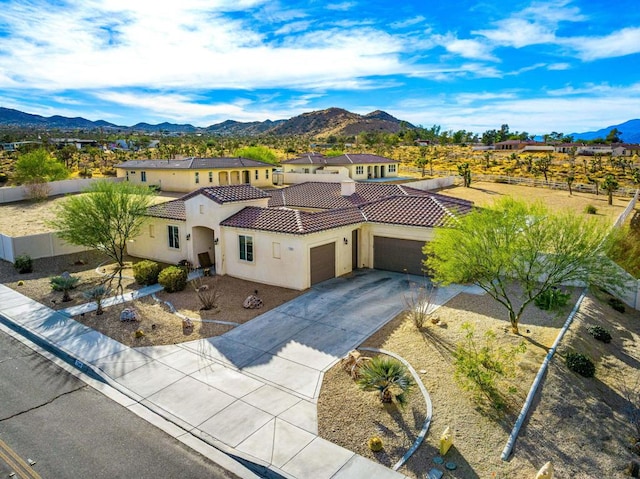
(251, 392)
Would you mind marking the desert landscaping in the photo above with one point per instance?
(581, 424)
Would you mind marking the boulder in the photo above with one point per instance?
(128, 314)
(252, 302)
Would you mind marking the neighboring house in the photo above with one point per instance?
(300, 235)
(193, 173)
(336, 168)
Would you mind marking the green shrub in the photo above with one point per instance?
(551, 299)
(600, 333)
(173, 278)
(591, 210)
(479, 368)
(581, 364)
(146, 272)
(388, 377)
(617, 304)
(23, 264)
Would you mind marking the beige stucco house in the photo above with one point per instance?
(300, 235)
(316, 167)
(193, 173)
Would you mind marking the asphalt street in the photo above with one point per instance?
(70, 430)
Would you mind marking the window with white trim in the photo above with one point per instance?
(211, 177)
(392, 168)
(256, 174)
(266, 173)
(359, 170)
(246, 247)
(197, 177)
(174, 237)
(143, 176)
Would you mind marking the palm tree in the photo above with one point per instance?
(64, 283)
(389, 377)
(97, 294)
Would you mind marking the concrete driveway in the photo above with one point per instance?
(253, 391)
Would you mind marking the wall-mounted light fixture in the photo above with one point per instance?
(345, 240)
(188, 236)
(215, 241)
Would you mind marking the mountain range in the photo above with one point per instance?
(332, 121)
(321, 123)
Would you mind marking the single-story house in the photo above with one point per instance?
(356, 166)
(300, 235)
(192, 173)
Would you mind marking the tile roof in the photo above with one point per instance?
(424, 211)
(284, 220)
(376, 203)
(172, 210)
(328, 195)
(346, 159)
(195, 164)
(228, 194)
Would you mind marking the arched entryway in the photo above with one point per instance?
(203, 244)
(223, 178)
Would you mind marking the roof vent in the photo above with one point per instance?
(347, 187)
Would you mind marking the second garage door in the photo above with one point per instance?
(392, 254)
(323, 263)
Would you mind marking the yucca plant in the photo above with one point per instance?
(389, 377)
(64, 283)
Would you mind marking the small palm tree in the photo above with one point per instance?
(97, 294)
(389, 377)
(64, 283)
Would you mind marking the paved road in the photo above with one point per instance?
(73, 431)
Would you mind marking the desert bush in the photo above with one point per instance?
(551, 299)
(617, 304)
(600, 333)
(37, 190)
(23, 263)
(591, 210)
(419, 301)
(581, 364)
(173, 278)
(478, 368)
(146, 272)
(388, 377)
(64, 283)
(208, 294)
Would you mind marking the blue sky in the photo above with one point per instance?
(539, 66)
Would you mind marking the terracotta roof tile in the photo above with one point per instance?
(173, 210)
(284, 220)
(328, 195)
(228, 194)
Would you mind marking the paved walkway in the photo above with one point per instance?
(251, 392)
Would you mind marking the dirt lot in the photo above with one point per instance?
(485, 194)
(23, 218)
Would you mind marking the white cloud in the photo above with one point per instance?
(518, 33)
(559, 66)
(573, 110)
(188, 44)
(617, 44)
(343, 6)
(409, 22)
(471, 49)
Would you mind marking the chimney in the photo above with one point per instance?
(347, 187)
